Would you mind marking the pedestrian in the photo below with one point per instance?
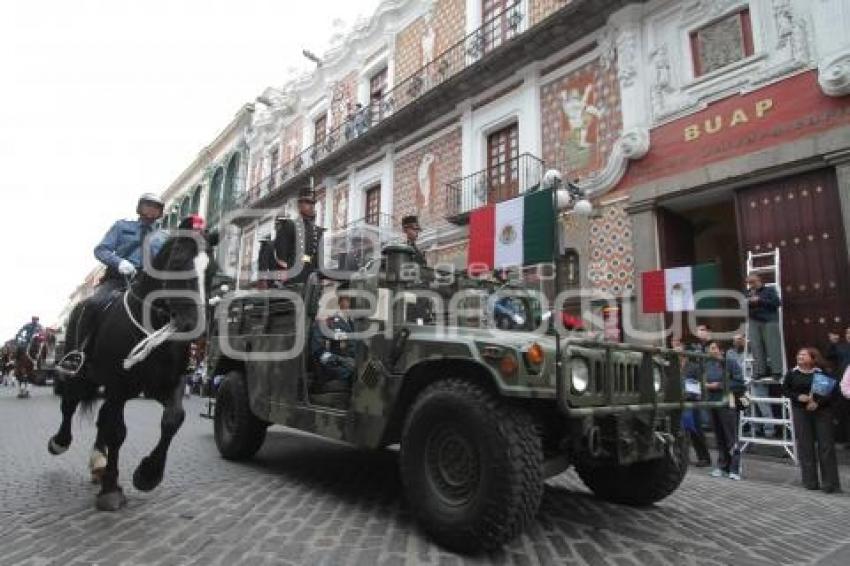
(692, 418)
(763, 327)
(838, 356)
(724, 420)
(735, 355)
(812, 393)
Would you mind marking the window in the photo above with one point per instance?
(502, 164)
(373, 205)
(722, 42)
(320, 130)
(274, 155)
(377, 90)
(499, 24)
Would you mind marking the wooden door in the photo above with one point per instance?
(502, 164)
(676, 249)
(377, 90)
(676, 239)
(801, 215)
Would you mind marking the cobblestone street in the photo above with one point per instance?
(307, 501)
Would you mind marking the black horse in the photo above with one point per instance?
(126, 358)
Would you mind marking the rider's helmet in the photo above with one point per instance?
(150, 198)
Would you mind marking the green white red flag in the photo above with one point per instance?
(674, 289)
(516, 232)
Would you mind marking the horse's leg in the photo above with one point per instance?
(111, 420)
(149, 472)
(97, 460)
(60, 441)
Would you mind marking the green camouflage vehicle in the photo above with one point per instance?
(482, 416)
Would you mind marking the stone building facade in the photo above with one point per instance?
(702, 131)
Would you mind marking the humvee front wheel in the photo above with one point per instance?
(639, 484)
(238, 433)
(472, 467)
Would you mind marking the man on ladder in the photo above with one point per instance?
(766, 346)
(763, 328)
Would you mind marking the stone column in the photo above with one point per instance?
(842, 172)
(645, 237)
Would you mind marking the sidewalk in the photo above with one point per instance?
(771, 465)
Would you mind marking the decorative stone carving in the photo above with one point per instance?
(427, 180)
(607, 46)
(627, 56)
(662, 85)
(699, 9)
(834, 75)
(633, 144)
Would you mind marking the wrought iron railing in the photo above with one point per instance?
(493, 33)
(497, 183)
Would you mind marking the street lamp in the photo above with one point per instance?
(567, 193)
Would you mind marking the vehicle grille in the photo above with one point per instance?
(623, 375)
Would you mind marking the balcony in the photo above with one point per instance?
(494, 52)
(495, 184)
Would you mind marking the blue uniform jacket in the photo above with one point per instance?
(122, 242)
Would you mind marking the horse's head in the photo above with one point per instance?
(180, 273)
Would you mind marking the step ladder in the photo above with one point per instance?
(767, 265)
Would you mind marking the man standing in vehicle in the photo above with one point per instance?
(295, 238)
(411, 229)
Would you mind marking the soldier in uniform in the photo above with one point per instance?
(331, 349)
(293, 239)
(411, 229)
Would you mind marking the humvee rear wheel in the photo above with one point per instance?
(472, 466)
(639, 484)
(238, 433)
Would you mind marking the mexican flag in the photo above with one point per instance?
(515, 232)
(673, 289)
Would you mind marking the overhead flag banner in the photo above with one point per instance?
(515, 232)
(674, 289)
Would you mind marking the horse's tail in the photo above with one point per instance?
(83, 390)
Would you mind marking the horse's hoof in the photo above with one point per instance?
(142, 481)
(55, 448)
(112, 501)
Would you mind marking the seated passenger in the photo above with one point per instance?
(331, 349)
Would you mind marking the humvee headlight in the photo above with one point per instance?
(579, 374)
(656, 378)
(508, 365)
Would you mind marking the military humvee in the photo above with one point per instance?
(482, 416)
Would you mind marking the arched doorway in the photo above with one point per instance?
(196, 200)
(214, 204)
(230, 183)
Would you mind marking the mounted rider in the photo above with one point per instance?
(122, 250)
(23, 368)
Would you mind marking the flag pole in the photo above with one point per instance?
(559, 385)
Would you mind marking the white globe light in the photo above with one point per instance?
(583, 207)
(551, 178)
(564, 199)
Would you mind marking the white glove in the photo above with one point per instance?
(126, 268)
(325, 357)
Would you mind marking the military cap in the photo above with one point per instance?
(306, 194)
(411, 220)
